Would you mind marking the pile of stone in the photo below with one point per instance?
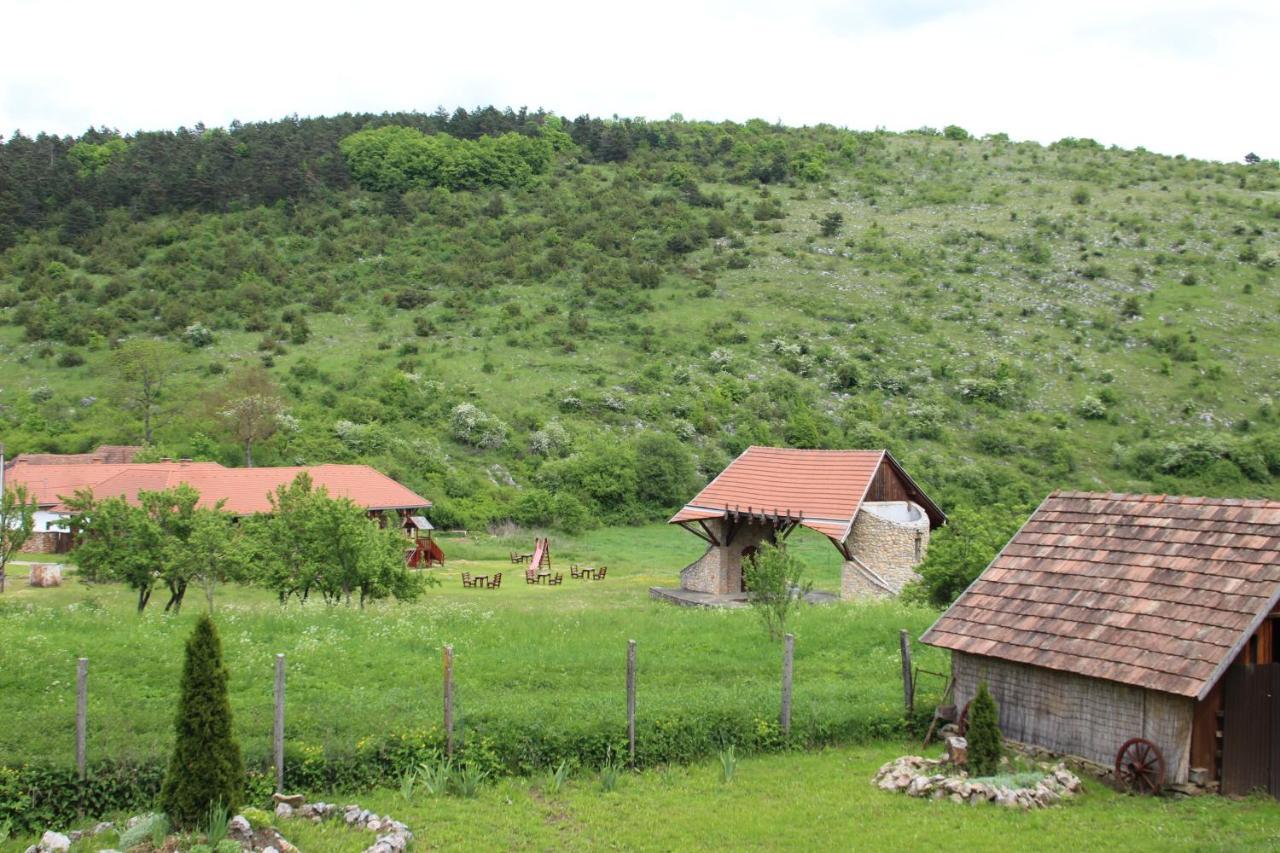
(392, 835)
(54, 842)
(941, 779)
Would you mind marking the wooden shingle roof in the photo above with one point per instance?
(1149, 590)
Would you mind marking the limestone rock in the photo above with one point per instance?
(293, 800)
(239, 828)
(105, 826)
(958, 751)
(52, 841)
(284, 810)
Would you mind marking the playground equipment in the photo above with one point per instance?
(425, 553)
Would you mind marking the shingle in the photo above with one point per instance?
(1149, 590)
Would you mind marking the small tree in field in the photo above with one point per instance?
(205, 770)
(17, 521)
(983, 734)
(777, 584)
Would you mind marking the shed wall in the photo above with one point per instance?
(1071, 714)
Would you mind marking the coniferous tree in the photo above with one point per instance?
(205, 769)
(983, 734)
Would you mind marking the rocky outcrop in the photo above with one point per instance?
(938, 779)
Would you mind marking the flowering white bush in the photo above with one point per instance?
(477, 428)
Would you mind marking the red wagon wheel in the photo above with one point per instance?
(1140, 766)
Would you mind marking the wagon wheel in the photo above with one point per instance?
(1140, 766)
(962, 722)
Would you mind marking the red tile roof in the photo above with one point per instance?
(824, 487)
(1154, 591)
(244, 490)
(50, 483)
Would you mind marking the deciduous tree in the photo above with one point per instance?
(143, 367)
(17, 523)
(776, 581)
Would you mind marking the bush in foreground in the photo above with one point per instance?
(205, 770)
(983, 734)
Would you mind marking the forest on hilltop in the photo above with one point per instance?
(570, 322)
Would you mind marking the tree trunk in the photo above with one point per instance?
(144, 595)
(146, 425)
(176, 592)
(248, 453)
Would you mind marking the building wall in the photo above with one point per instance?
(1086, 717)
(890, 549)
(719, 570)
(45, 536)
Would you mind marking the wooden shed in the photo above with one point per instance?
(1111, 617)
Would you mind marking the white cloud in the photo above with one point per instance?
(1176, 77)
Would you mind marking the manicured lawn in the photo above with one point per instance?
(543, 659)
(819, 800)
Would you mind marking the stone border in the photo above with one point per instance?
(937, 778)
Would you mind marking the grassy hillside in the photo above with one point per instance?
(1006, 317)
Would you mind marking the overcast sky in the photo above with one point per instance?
(1196, 78)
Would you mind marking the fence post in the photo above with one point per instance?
(448, 700)
(908, 687)
(82, 712)
(788, 653)
(277, 735)
(631, 700)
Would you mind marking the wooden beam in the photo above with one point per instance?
(711, 536)
(697, 533)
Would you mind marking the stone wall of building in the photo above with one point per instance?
(888, 550)
(1073, 715)
(719, 570)
(42, 542)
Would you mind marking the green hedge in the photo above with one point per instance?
(34, 798)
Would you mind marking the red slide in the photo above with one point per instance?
(539, 553)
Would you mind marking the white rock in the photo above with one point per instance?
(270, 849)
(238, 827)
(284, 810)
(51, 841)
(105, 826)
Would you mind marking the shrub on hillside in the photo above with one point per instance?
(470, 425)
(983, 734)
(205, 770)
(960, 551)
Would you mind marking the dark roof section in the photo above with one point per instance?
(1149, 590)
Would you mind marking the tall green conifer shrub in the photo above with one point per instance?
(206, 768)
(983, 734)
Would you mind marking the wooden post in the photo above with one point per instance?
(82, 712)
(788, 653)
(908, 686)
(277, 734)
(448, 700)
(631, 700)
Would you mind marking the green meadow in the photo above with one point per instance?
(531, 661)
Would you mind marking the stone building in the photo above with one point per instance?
(1110, 621)
(861, 500)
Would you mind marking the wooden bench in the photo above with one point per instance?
(496, 581)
